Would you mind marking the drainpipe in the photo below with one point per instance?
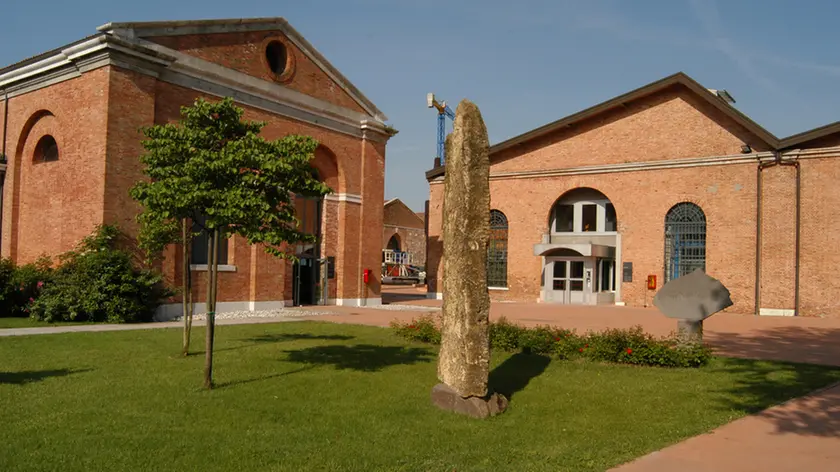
(761, 166)
(3, 160)
(795, 164)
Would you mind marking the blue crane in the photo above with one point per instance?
(443, 112)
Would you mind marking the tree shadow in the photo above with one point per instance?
(263, 377)
(278, 338)
(514, 374)
(283, 337)
(360, 357)
(31, 376)
(759, 384)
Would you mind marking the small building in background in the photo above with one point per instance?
(403, 243)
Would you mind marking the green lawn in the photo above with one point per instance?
(327, 397)
(15, 322)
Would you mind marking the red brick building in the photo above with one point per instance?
(404, 230)
(403, 240)
(657, 182)
(70, 127)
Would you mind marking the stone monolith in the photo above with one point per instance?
(464, 361)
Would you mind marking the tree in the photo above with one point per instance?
(214, 169)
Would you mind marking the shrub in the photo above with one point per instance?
(623, 346)
(21, 285)
(505, 335)
(539, 340)
(98, 282)
(423, 329)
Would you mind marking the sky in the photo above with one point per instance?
(523, 63)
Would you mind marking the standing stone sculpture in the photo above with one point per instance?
(464, 362)
(691, 299)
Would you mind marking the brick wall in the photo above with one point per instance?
(668, 125)
(245, 52)
(411, 240)
(50, 206)
(131, 105)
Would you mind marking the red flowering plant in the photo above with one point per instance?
(425, 329)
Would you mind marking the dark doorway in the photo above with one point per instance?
(305, 275)
(306, 271)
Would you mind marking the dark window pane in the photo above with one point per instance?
(576, 271)
(589, 219)
(610, 220)
(497, 250)
(559, 284)
(199, 248)
(576, 285)
(565, 217)
(560, 269)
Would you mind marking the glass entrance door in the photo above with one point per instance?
(567, 282)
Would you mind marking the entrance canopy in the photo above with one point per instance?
(567, 250)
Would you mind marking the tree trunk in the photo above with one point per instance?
(212, 250)
(186, 285)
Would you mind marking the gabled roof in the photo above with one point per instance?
(717, 99)
(409, 211)
(216, 26)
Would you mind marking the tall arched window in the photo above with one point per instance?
(685, 240)
(497, 250)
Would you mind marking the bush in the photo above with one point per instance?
(99, 282)
(19, 286)
(505, 335)
(423, 329)
(622, 346)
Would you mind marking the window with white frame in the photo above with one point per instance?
(583, 210)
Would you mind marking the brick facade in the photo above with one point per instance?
(95, 117)
(665, 145)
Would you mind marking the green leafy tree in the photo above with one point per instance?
(214, 168)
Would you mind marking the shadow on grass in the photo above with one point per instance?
(283, 337)
(30, 376)
(761, 385)
(514, 374)
(264, 377)
(361, 357)
(278, 338)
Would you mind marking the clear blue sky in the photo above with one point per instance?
(524, 64)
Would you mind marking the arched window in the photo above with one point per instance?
(497, 250)
(685, 240)
(46, 150)
(394, 243)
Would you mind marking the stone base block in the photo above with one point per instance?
(445, 398)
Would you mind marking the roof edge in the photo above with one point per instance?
(143, 29)
(810, 135)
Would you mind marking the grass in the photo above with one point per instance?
(17, 322)
(328, 397)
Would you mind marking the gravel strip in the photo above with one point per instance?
(404, 307)
(283, 312)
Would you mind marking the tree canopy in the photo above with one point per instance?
(215, 165)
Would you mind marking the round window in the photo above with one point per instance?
(277, 57)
